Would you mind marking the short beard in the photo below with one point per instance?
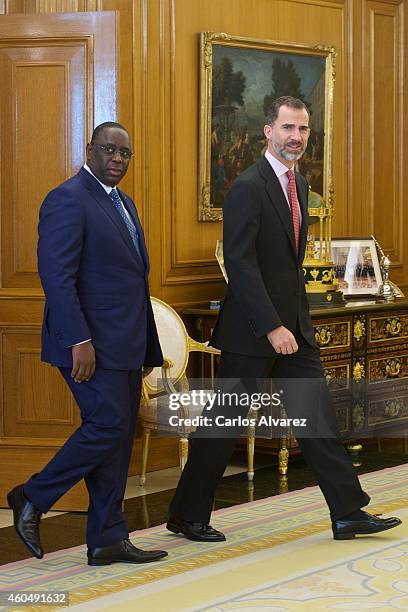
(286, 154)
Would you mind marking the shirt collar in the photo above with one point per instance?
(107, 188)
(277, 166)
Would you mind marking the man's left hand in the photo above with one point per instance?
(83, 361)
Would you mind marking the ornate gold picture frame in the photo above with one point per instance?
(239, 79)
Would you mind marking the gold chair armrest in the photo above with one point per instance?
(202, 347)
(166, 378)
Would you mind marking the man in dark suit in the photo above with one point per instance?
(264, 330)
(99, 330)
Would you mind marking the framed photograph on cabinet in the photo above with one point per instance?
(356, 265)
(239, 78)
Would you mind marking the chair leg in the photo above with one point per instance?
(250, 453)
(183, 452)
(145, 511)
(145, 454)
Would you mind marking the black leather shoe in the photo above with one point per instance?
(123, 552)
(26, 520)
(347, 530)
(198, 532)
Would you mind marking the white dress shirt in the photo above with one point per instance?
(108, 189)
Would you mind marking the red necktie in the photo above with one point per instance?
(294, 205)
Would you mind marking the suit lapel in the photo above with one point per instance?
(277, 197)
(130, 207)
(101, 197)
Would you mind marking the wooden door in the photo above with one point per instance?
(58, 80)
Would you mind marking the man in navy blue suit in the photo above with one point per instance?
(99, 330)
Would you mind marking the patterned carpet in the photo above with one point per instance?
(279, 556)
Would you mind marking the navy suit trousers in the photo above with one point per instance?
(98, 451)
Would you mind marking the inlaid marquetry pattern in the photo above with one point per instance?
(358, 368)
(388, 368)
(330, 358)
(338, 376)
(383, 411)
(333, 335)
(359, 331)
(382, 349)
(384, 329)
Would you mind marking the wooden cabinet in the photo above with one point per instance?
(364, 351)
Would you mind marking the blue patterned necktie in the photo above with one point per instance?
(127, 220)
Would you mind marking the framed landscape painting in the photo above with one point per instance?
(239, 78)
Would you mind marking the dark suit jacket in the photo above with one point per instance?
(95, 283)
(266, 285)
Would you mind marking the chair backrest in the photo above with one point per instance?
(174, 342)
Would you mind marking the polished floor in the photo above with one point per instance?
(148, 507)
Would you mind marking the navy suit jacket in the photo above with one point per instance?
(95, 283)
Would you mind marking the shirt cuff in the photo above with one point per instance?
(78, 343)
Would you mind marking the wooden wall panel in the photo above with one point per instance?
(384, 141)
(43, 112)
(36, 401)
(370, 41)
(22, 461)
(185, 260)
(158, 99)
(130, 38)
(35, 127)
(49, 6)
(48, 108)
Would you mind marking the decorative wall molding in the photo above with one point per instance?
(384, 140)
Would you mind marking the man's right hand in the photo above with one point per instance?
(282, 340)
(83, 362)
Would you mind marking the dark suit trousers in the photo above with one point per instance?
(98, 451)
(326, 456)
